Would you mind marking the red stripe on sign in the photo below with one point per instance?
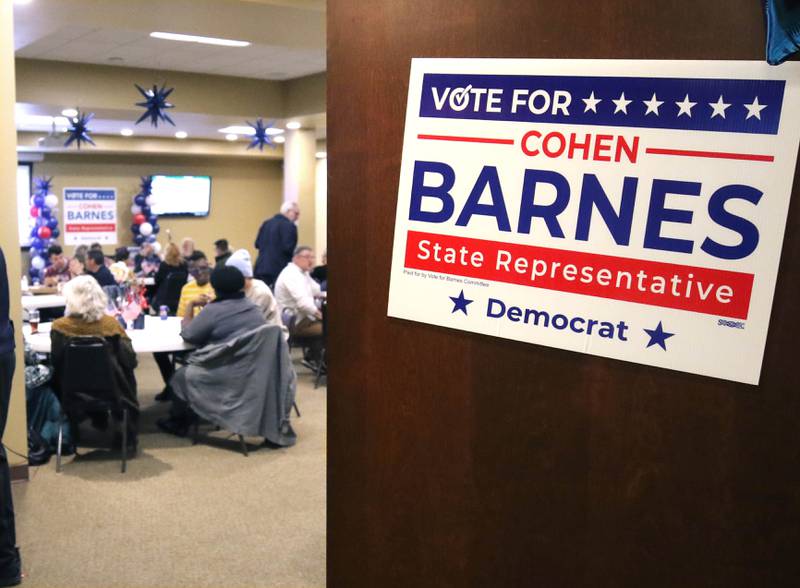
(710, 154)
(654, 283)
(466, 139)
(76, 228)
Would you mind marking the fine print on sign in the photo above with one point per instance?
(90, 216)
(627, 209)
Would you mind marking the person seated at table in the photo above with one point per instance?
(77, 264)
(96, 267)
(85, 316)
(256, 291)
(221, 253)
(226, 317)
(296, 292)
(122, 268)
(172, 263)
(59, 266)
(146, 262)
(187, 248)
(198, 290)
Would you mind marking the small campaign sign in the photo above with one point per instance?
(90, 216)
(627, 209)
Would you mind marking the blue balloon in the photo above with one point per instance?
(52, 222)
(34, 252)
(152, 219)
(34, 273)
(54, 233)
(41, 222)
(34, 232)
(151, 239)
(139, 200)
(139, 239)
(156, 228)
(146, 211)
(135, 229)
(38, 201)
(37, 243)
(45, 213)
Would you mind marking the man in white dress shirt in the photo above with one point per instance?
(296, 292)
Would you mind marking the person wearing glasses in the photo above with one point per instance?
(198, 292)
(297, 294)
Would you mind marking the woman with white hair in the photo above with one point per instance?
(85, 316)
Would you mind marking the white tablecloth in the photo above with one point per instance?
(44, 301)
(157, 335)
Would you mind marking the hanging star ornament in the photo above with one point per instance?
(261, 137)
(155, 103)
(43, 185)
(146, 185)
(783, 29)
(78, 131)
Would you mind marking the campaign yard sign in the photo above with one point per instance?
(627, 209)
(90, 215)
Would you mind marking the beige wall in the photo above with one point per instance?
(15, 437)
(243, 192)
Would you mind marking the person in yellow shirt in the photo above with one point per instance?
(198, 292)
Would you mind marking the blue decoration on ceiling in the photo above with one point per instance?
(783, 29)
(155, 104)
(260, 137)
(78, 131)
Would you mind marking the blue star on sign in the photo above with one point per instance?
(658, 336)
(460, 302)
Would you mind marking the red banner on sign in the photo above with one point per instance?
(696, 289)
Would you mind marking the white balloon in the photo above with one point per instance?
(157, 247)
(37, 263)
(51, 201)
(136, 209)
(150, 201)
(146, 229)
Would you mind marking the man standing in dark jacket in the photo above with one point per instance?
(276, 241)
(9, 555)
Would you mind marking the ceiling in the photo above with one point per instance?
(287, 41)
(287, 38)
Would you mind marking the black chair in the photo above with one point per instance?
(86, 381)
(169, 293)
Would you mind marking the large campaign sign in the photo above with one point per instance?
(90, 215)
(627, 209)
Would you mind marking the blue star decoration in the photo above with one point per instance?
(155, 103)
(43, 185)
(78, 131)
(783, 29)
(658, 336)
(146, 185)
(460, 302)
(260, 137)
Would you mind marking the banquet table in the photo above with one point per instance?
(157, 336)
(30, 302)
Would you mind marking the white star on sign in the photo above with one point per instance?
(719, 107)
(754, 109)
(685, 106)
(622, 104)
(652, 104)
(591, 103)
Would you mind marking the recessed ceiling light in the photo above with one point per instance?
(196, 39)
(126, 132)
(279, 139)
(70, 112)
(293, 126)
(181, 135)
(322, 154)
(231, 137)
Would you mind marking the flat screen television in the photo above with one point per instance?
(181, 195)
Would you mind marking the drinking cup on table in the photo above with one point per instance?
(33, 319)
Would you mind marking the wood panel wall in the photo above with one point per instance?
(463, 460)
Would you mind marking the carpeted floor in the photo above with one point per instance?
(182, 515)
